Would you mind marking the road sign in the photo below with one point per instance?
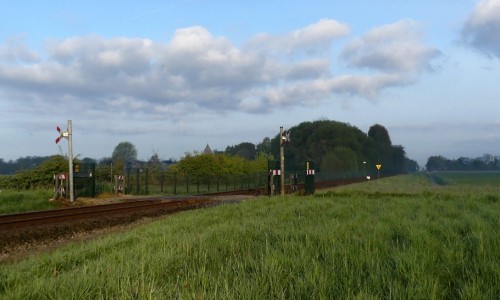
(378, 167)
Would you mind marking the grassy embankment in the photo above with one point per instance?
(398, 237)
(19, 201)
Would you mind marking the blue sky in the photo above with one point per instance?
(172, 76)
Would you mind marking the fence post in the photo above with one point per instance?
(161, 182)
(129, 188)
(175, 183)
(137, 178)
(147, 182)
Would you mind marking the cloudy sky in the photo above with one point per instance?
(172, 76)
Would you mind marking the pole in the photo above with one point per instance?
(70, 159)
(282, 162)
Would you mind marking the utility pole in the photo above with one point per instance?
(282, 162)
(70, 159)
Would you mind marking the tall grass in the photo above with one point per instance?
(476, 178)
(349, 243)
(19, 201)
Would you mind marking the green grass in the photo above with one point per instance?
(398, 238)
(470, 178)
(20, 201)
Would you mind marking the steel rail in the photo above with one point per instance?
(75, 214)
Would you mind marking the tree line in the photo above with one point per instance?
(440, 163)
(332, 146)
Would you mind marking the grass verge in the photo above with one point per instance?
(357, 242)
(20, 201)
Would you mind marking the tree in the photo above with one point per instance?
(125, 152)
(398, 159)
(245, 150)
(264, 146)
(40, 176)
(383, 148)
(411, 165)
(380, 135)
(436, 163)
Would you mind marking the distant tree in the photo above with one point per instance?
(88, 160)
(411, 166)
(379, 134)
(478, 164)
(125, 152)
(340, 159)
(316, 141)
(245, 150)
(107, 161)
(154, 163)
(331, 162)
(264, 146)
(398, 159)
(390, 157)
(436, 163)
(40, 176)
(200, 166)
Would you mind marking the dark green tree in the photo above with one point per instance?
(383, 147)
(245, 150)
(264, 146)
(124, 153)
(436, 163)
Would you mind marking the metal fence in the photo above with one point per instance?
(144, 182)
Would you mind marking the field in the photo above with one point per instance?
(19, 201)
(469, 178)
(397, 237)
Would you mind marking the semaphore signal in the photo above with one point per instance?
(63, 134)
(68, 135)
(284, 138)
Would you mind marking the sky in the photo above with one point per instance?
(171, 77)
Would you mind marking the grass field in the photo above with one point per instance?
(484, 178)
(20, 201)
(397, 237)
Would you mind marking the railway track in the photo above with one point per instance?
(31, 227)
(75, 214)
(130, 205)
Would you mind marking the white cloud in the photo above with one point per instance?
(313, 39)
(14, 50)
(391, 48)
(481, 30)
(198, 72)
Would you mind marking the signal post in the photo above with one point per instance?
(68, 134)
(284, 138)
